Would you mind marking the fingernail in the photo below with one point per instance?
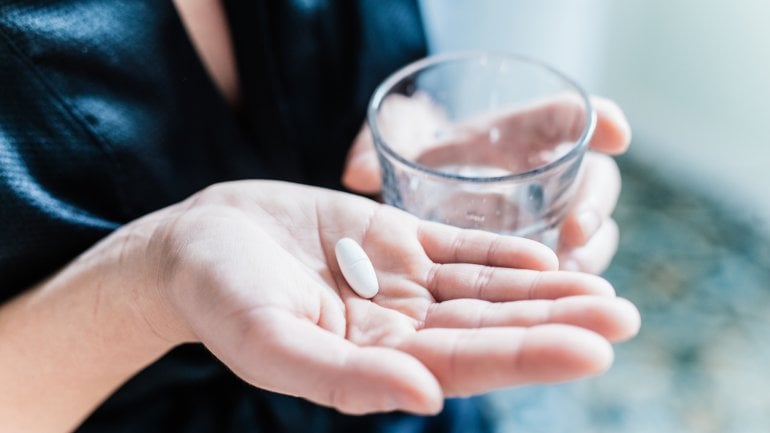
(589, 223)
(570, 265)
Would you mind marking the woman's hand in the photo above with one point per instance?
(589, 235)
(248, 268)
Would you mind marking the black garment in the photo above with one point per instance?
(107, 114)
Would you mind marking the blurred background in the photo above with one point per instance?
(694, 213)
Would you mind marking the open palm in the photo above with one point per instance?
(459, 311)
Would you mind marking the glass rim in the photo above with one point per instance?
(390, 82)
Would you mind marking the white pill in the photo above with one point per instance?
(356, 267)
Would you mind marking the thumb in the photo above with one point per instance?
(362, 170)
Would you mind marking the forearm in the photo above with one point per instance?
(69, 342)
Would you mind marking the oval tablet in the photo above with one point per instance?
(356, 268)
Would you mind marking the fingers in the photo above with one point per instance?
(597, 195)
(283, 353)
(612, 134)
(446, 244)
(459, 281)
(560, 119)
(595, 200)
(616, 319)
(468, 361)
(549, 123)
(595, 256)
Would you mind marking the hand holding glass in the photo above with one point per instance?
(482, 140)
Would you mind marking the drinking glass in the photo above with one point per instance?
(489, 141)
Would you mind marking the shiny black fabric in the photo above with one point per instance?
(106, 114)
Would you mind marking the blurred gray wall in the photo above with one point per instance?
(692, 76)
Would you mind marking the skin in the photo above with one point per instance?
(206, 24)
(589, 235)
(247, 268)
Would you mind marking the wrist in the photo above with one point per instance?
(69, 342)
(145, 269)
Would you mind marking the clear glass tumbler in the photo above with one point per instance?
(482, 140)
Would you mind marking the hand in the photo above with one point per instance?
(248, 268)
(589, 234)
